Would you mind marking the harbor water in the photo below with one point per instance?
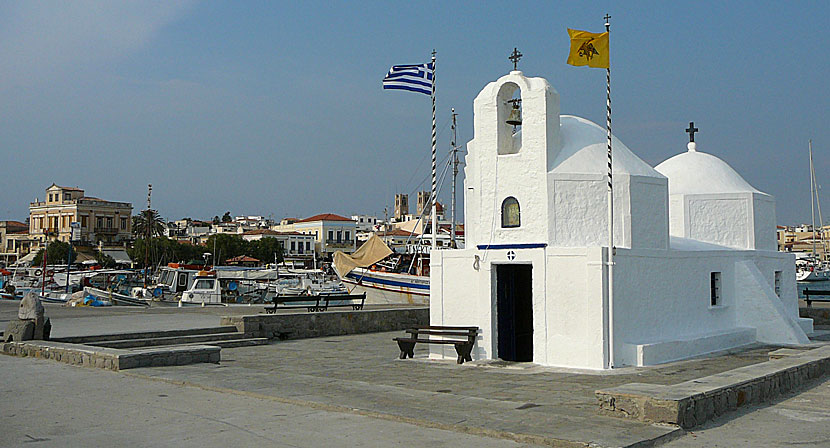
(820, 285)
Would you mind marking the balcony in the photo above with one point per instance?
(334, 244)
(47, 232)
(106, 230)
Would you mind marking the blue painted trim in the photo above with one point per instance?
(383, 281)
(512, 246)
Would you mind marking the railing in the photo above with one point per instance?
(341, 243)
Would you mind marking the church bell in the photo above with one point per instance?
(515, 117)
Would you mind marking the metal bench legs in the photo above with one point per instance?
(407, 349)
(463, 350)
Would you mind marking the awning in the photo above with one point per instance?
(119, 255)
(81, 257)
(372, 251)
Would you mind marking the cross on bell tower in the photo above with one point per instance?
(515, 56)
(692, 129)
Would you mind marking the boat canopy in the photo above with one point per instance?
(372, 251)
(232, 273)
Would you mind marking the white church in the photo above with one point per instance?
(695, 267)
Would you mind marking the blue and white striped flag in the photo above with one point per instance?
(415, 78)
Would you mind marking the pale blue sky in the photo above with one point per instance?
(276, 108)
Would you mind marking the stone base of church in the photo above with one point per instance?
(806, 324)
(653, 353)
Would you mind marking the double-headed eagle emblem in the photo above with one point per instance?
(587, 50)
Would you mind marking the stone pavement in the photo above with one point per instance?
(801, 420)
(342, 378)
(77, 407)
(361, 374)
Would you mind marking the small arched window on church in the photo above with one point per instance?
(510, 214)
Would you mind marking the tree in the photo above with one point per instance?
(227, 246)
(148, 218)
(266, 250)
(227, 217)
(104, 260)
(56, 254)
(216, 219)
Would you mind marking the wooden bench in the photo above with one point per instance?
(463, 338)
(816, 292)
(321, 302)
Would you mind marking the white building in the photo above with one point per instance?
(365, 223)
(296, 246)
(695, 265)
(331, 232)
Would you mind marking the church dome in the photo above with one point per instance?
(585, 151)
(694, 172)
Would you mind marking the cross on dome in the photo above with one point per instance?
(691, 130)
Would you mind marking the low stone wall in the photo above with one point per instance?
(330, 323)
(693, 402)
(112, 359)
(820, 316)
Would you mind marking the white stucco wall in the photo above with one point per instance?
(497, 168)
(567, 299)
(764, 222)
(720, 220)
(673, 317)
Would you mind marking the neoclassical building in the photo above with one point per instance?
(98, 221)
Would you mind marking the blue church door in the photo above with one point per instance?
(514, 307)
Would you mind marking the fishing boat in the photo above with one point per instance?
(389, 282)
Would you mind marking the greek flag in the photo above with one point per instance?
(415, 78)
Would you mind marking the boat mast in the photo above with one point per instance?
(818, 208)
(812, 198)
(454, 175)
(147, 233)
(434, 199)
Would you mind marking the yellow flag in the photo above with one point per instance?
(589, 49)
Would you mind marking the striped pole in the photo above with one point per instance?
(610, 207)
(432, 196)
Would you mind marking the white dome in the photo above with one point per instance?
(585, 151)
(696, 172)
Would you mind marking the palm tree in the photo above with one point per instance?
(148, 218)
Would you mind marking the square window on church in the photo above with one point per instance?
(715, 289)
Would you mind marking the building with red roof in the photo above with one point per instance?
(331, 232)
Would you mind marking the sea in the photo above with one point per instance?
(821, 285)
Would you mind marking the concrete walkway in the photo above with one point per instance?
(340, 378)
(77, 407)
(361, 374)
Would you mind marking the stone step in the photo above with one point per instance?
(232, 343)
(147, 334)
(167, 341)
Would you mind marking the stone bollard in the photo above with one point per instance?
(31, 322)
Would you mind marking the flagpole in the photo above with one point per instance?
(434, 199)
(610, 205)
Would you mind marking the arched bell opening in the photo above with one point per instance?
(510, 118)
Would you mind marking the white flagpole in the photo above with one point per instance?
(432, 196)
(610, 206)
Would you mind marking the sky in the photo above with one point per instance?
(276, 108)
